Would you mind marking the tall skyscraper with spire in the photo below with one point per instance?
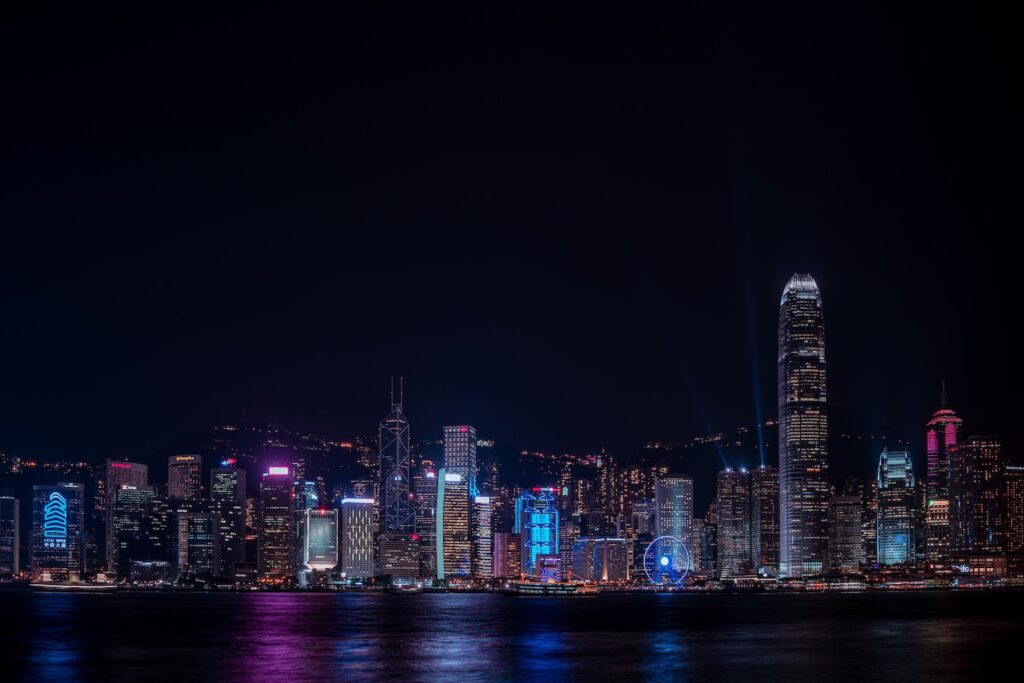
(396, 512)
(941, 438)
(803, 430)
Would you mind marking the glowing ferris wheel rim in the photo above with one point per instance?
(667, 565)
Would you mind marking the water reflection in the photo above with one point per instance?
(430, 637)
(55, 650)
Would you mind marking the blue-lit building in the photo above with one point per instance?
(537, 518)
(895, 516)
(58, 530)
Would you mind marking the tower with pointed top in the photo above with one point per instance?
(803, 430)
(941, 438)
(943, 434)
(396, 511)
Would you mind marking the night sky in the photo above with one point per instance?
(568, 226)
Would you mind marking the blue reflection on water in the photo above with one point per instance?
(55, 653)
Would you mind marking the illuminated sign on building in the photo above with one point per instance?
(55, 522)
(277, 470)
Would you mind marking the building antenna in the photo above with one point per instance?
(392, 392)
(401, 393)
(942, 395)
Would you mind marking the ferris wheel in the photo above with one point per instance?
(667, 561)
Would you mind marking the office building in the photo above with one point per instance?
(194, 540)
(396, 511)
(227, 495)
(117, 474)
(481, 561)
(320, 539)
(424, 485)
(538, 515)
(764, 519)
(185, 477)
(673, 509)
(733, 496)
(132, 505)
(400, 556)
(10, 533)
(276, 545)
(1013, 486)
(58, 531)
(357, 534)
(942, 435)
(453, 544)
(895, 511)
(976, 470)
(846, 535)
(460, 454)
(803, 430)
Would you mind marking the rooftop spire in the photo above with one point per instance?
(942, 395)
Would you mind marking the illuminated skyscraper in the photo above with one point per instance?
(357, 537)
(276, 550)
(460, 454)
(185, 477)
(453, 541)
(117, 474)
(396, 512)
(10, 530)
(976, 471)
(709, 541)
(482, 552)
(499, 554)
(58, 530)
(764, 519)
(227, 494)
(895, 513)
(194, 533)
(611, 561)
(132, 504)
(320, 539)
(538, 515)
(803, 430)
(608, 498)
(673, 509)
(1013, 485)
(845, 534)
(941, 437)
(733, 488)
(400, 556)
(424, 484)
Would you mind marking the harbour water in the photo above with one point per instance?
(911, 636)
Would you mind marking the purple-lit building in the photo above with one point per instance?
(941, 438)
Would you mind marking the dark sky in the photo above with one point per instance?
(568, 225)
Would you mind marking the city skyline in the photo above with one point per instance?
(516, 341)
